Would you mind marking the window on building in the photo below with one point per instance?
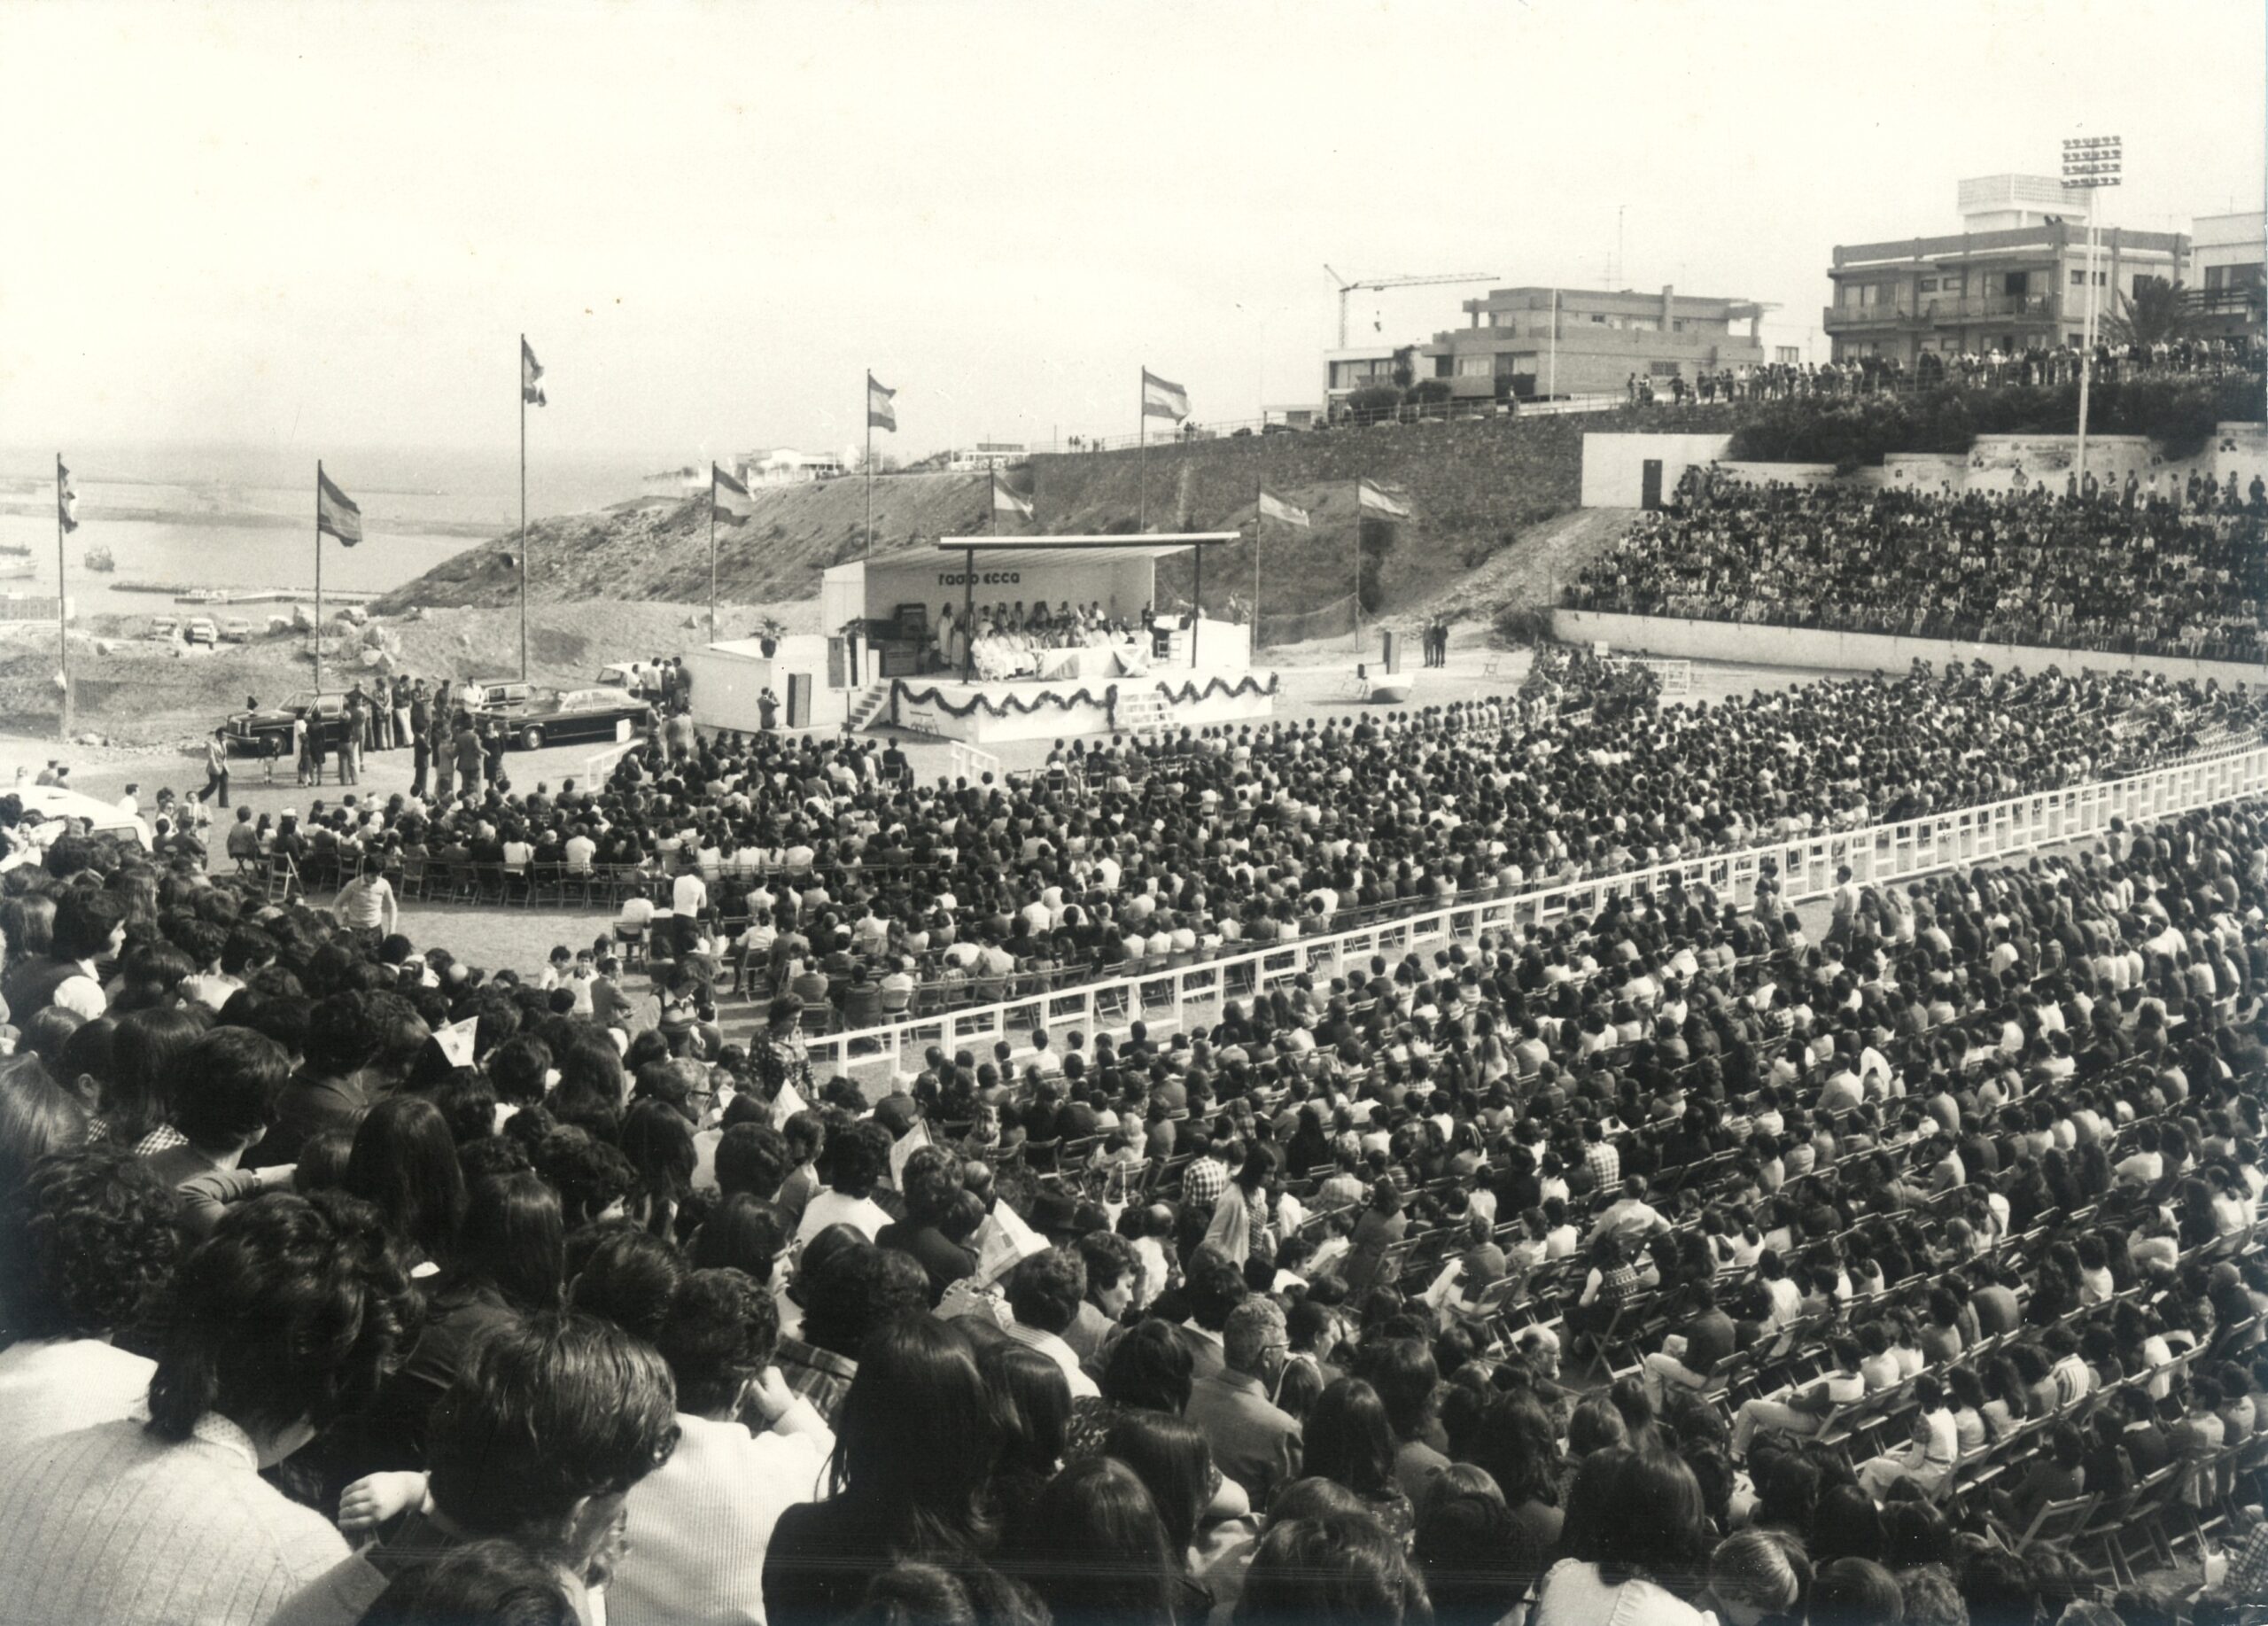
(1645, 325)
(1788, 356)
(1677, 325)
(1662, 370)
(2078, 279)
(1928, 285)
(1442, 365)
(1479, 366)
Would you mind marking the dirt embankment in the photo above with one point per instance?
(656, 549)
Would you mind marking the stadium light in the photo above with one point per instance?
(2090, 163)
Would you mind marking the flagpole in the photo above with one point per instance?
(520, 361)
(311, 722)
(870, 462)
(996, 501)
(1142, 468)
(712, 551)
(1259, 521)
(62, 625)
(1358, 568)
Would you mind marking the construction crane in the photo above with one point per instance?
(1345, 288)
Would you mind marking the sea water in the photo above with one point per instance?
(236, 516)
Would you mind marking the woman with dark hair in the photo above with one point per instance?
(1349, 1439)
(1478, 1564)
(1636, 1538)
(283, 1319)
(1407, 1382)
(37, 1117)
(914, 1455)
(1095, 1551)
(1032, 1401)
(624, 1275)
(1240, 1226)
(405, 1163)
(1382, 1224)
(741, 1233)
(933, 1184)
(89, 1244)
(510, 1261)
(658, 1142)
(1517, 1444)
(1170, 1455)
(1846, 1525)
(145, 1048)
(1334, 1570)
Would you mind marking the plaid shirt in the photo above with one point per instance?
(2247, 1580)
(820, 1376)
(1203, 1182)
(1605, 1164)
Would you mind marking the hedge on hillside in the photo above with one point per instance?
(2178, 413)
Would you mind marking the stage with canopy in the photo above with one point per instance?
(989, 638)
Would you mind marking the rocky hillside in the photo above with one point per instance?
(660, 550)
(1474, 488)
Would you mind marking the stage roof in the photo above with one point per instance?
(1076, 549)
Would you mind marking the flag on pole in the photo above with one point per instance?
(530, 377)
(1373, 499)
(880, 413)
(727, 496)
(1004, 501)
(335, 512)
(67, 499)
(1160, 399)
(1273, 507)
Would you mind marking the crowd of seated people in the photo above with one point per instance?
(1670, 1261)
(2181, 571)
(827, 871)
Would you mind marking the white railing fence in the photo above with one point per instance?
(1806, 869)
(973, 763)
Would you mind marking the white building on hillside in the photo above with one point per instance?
(784, 465)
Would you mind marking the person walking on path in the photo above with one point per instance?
(216, 769)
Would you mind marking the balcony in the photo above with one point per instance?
(1939, 310)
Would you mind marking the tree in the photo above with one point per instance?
(2152, 315)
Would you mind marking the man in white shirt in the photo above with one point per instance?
(1045, 1292)
(857, 1160)
(749, 1448)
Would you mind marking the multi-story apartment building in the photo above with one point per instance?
(2015, 277)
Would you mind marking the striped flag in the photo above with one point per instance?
(1373, 499)
(67, 499)
(530, 375)
(1273, 507)
(727, 496)
(336, 513)
(1160, 399)
(880, 414)
(1004, 501)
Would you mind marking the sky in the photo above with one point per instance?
(295, 226)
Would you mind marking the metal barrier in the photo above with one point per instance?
(1805, 866)
(600, 764)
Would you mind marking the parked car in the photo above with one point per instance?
(235, 629)
(267, 731)
(548, 717)
(201, 630)
(618, 674)
(164, 625)
(499, 694)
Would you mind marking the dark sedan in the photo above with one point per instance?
(548, 717)
(267, 731)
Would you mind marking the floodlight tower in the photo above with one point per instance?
(2092, 162)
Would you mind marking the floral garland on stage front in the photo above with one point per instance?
(1016, 706)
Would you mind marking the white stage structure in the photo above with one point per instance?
(906, 617)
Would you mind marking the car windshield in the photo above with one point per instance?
(301, 701)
